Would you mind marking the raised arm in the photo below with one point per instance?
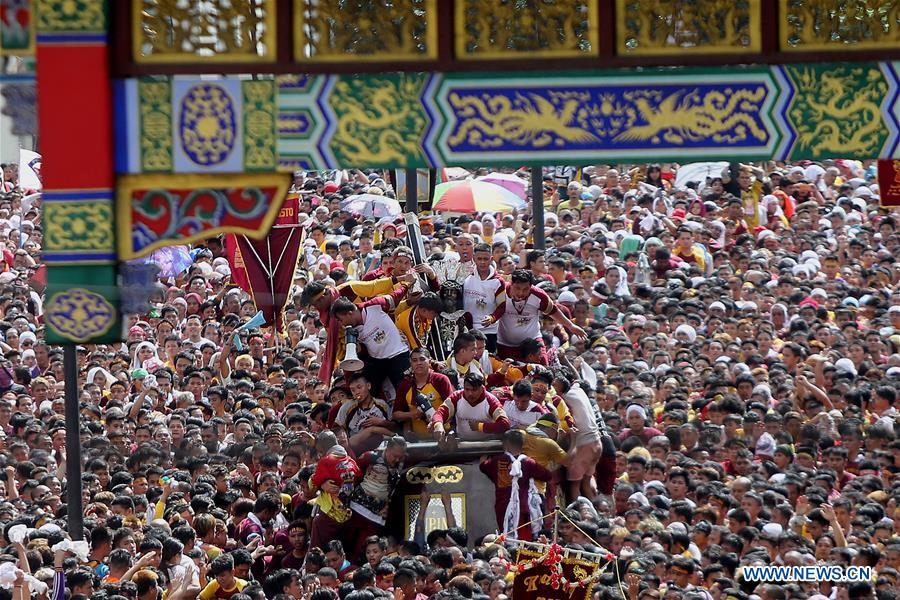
(223, 366)
(12, 489)
(560, 317)
(387, 302)
(828, 512)
(378, 287)
(23, 558)
(144, 561)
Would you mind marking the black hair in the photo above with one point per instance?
(522, 276)
(221, 564)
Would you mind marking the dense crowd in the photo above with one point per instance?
(694, 377)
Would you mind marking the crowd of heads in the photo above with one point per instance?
(693, 377)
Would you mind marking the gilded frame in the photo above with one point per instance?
(459, 41)
(754, 47)
(137, 38)
(784, 34)
(300, 41)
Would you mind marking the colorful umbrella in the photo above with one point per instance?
(372, 205)
(473, 197)
(509, 181)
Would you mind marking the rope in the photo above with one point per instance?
(592, 540)
(506, 534)
(619, 581)
(618, 574)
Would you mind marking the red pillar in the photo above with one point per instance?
(76, 137)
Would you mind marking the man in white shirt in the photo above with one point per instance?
(387, 351)
(483, 291)
(523, 412)
(192, 328)
(519, 317)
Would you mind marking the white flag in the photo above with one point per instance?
(30, 170)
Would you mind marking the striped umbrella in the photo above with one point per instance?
(473, 197)
(513, 183)
(372, 205)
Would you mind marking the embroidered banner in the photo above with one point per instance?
(290, 211)
(405, 120)
(889, 182)
(161, 210)
(265, 268)
(536, 581)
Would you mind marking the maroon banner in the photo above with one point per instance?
(889, 182)
(265, 269)
(290, 211)
(535, 583)
(236, 262)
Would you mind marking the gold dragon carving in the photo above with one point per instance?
(495, 121)
(379, 120)
(691, 116)
(564, 118)
(839, 111)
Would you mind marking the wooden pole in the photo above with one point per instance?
(412, 191)
(75, 510)
(537, 207)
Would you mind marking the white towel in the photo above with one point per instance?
(511, 518)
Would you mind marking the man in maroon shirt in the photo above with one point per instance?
(636, 417)
(385, 269)
(474, 409)
(836, 458)
(517, 503)
(424, 388)
(256, 523)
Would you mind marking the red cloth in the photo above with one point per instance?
(333, 327)
(342, 470)
(268, 269)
